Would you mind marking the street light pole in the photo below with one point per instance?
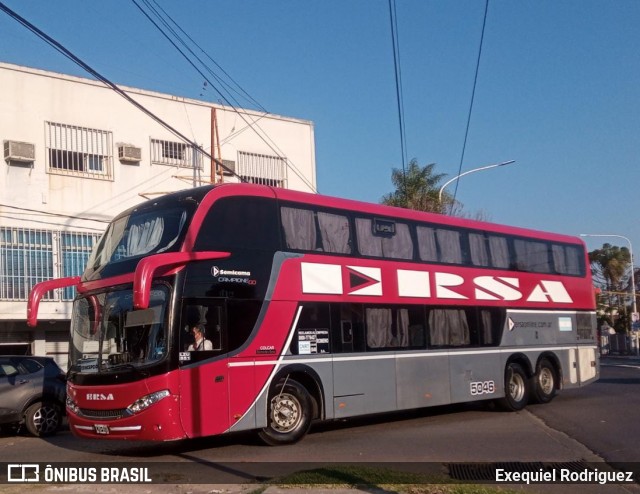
(633, 279)
(471, 171)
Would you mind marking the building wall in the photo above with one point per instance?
(43, 199)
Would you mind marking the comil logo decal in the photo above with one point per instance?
(333, 279)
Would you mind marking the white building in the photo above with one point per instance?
(76, 154)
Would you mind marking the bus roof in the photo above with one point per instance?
(402, 213)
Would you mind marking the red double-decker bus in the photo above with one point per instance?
(245, 307)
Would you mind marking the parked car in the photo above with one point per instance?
(32, 393)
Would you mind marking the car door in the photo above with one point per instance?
(16, 387)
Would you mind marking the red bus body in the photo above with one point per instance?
(234, 389)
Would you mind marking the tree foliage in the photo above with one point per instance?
(610, 266)
(417, 188)
(611, 269)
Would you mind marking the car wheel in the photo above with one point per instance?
(43, 419)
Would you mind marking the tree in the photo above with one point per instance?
(611, 269)
(417, 188)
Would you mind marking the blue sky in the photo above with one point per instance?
(558, 90)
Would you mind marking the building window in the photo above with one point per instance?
(75, 249)
(174, 154)
(262, 169)
(29, 256)
(79, 151)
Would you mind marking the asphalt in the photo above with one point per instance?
(556, 443)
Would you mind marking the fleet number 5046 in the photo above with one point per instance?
(482, 388)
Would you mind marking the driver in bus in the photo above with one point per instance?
(199, 341)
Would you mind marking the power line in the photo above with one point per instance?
(67, 53)
(473, 94)
(54, 214)
(253, 125)
(240, 88)
(75, 227)
(398, 75)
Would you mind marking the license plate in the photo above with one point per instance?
(101, 429)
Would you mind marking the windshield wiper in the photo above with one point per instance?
(128, 366)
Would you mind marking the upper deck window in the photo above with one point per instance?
(239, 223)
(320, 231)
(532, 256)
(140, 233)
(383, 238)
(440, 244)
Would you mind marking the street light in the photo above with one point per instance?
(471, 171)
(633, 280)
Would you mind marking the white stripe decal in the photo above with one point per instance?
(545, 312)
(275, 369)
(402, 355)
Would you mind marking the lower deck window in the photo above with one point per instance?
(356, 328)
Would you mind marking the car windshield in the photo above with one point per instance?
(139, 233)
(107, 334)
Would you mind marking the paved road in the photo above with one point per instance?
(579, 426)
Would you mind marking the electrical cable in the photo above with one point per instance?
(398, 76)
(253, 125)
(51, 223)
(473, 93)
(67, 53)
(54, 214)
(240, 88)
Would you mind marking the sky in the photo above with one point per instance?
(558, 90)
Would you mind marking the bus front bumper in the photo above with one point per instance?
(159, 422)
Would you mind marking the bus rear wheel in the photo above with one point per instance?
(544, 382)
(289, 415)
(516, 388)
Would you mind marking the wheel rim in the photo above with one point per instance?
(516, 387)
(545, 380)
(285, 412)
(45, 419)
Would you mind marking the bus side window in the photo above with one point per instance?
(448, 327)
(347, 326)
(299, 228)
(205, 318)
(241, 316)
(240, 223)
(312, 332)
(335, 233)
(384, 238)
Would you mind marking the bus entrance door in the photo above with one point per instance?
(204, 376)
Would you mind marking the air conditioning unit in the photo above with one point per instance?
(230, 168)
(129, 153)
(23, 152)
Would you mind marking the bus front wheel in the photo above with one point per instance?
(516, 389)
(289, 415)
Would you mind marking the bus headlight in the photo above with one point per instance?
(146, 401)
(72, 405)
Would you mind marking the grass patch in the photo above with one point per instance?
(381, 479)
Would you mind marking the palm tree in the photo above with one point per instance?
(610, 266)
(417, 188)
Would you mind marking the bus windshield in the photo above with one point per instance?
(138, 234)
(107, 334)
